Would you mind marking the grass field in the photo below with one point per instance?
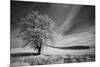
(50, 59)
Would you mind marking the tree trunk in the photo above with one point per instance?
(39, 50)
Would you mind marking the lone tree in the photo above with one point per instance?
(36, 30)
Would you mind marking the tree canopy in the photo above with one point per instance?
(36, 29)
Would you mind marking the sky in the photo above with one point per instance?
(70, 18)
